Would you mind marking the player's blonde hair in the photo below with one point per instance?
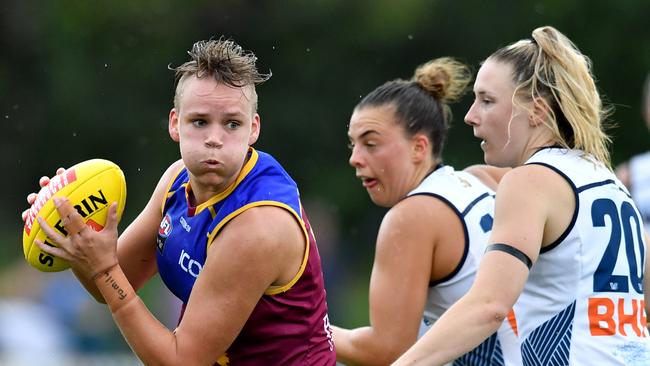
(551, 71)
(225, 61)
(422, 103)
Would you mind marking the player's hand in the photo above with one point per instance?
(44, 181)
(87, 250)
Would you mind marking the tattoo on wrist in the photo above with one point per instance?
(121, 293)
(104, 271)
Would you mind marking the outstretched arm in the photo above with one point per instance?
(406, 245)
(489, 175)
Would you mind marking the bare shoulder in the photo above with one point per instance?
(533, 206)
(532, 177)
(267, 237)
(171, 171)
(535, 190)
(420, 237)
(268, 224)
(420, 217)
(419, 208)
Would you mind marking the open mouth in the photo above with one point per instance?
(369, 182)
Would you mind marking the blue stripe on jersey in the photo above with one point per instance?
(575, 211)
(550, 343)
(487, 220)
(595, 184)
(488, 353)
(473, 203)
(465, 234)
(603, 183)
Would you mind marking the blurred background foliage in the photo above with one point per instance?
(85, 79)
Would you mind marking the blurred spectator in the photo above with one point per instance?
(635, 173)
(43, 327)
(31, 333)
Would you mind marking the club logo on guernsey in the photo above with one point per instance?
(163, 232)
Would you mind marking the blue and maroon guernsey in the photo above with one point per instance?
(289, 325)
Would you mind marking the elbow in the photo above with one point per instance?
(496, 313)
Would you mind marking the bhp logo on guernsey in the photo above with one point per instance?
(622, 316)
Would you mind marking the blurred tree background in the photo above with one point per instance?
(85, 79)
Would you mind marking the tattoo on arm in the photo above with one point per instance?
(121, 293)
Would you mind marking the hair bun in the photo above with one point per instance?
(445, 78)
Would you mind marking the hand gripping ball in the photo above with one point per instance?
(90, 186)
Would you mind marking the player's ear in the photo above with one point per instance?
(173, 125)
(255, 129)
(540, 112)
(419, 147)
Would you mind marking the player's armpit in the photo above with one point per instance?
(136, 251)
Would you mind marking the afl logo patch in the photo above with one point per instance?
(165, 226)
(163, 231)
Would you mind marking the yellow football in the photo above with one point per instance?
(90, 186)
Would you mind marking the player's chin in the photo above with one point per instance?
(213, 179)
(379, 199)
(497, 161)
(490, 159)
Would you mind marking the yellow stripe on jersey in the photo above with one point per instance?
(167, 192)
(213, 213)
(272, 290)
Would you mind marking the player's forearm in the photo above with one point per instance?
(363, 346)
(153, 343)
(461, 328)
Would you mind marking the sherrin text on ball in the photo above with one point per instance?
(91, 186)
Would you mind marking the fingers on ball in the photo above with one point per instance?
(44, 181)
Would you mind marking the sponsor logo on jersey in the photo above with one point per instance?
(611, 316)
(185, 225)
(189, 265)
(328, 332)
(165, 226)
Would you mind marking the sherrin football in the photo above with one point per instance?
(90, 186)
